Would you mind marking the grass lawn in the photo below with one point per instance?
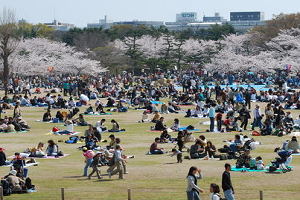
(153, 177)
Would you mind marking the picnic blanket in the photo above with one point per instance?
(56, 133)
(26, 155)
(234, 169)
(98, 114)
(184, 128)
(26, 165)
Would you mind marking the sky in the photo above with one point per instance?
(81, 12)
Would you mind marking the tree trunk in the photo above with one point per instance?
(5, 71)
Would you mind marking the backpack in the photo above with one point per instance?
(7, 188)
(190, 127)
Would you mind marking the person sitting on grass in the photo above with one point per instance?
(165, 137)
(18, 185)
(80, 121)
(154, 149)
(115, 127)
(244, 159)
(159, 126)
(52, 149)
(197, 150)
(176, 125)
(211, 150)
(47, 116)
(156, 117)
(59, 116)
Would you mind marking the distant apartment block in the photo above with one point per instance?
(247, 16)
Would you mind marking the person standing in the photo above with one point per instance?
(193, 189)
(211, 114)
(226, 183)
(118, 163)
(257, 115)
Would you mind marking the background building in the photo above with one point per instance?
(216, 18)
(247, 16)
(59, 26)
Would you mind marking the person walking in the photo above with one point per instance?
(88, 155)
(118, 162)
(193, 189)
(95, 164)
(211, 114)
(226, 183)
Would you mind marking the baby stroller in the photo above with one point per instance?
(281, 161)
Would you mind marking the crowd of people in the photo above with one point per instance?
(227, 106)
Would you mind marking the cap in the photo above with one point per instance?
(84, 149)
(112, 136)
(13, 172)
(1, 149)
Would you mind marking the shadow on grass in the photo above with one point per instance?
(272, 172)
(171, 163)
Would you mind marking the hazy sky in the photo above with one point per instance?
(81, 12)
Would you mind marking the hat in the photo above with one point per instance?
(13, 172)
(19, 117)
(98, 152)
(84, 149)
(18, 101)
(112, 136)
(1, 149)
(257, 104)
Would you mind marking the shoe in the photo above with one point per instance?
(121, 178)
(126, 172)
(88, 177)
(100, 177)
(109, 175)
(84, 175)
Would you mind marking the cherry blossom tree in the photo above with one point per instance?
(35, 56)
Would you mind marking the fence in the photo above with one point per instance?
(65, 194)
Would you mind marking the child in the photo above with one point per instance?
(180, 142)
(259, 163)
(95, 163)
(219, 121)
(179, 155)
(214, 189)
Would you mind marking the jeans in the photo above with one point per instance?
(193, 195)
(228, 195)
(87, 164)
(212, 124)
(256, 122)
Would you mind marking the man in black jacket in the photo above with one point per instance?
(226, 183)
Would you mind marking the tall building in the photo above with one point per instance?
(247, 16)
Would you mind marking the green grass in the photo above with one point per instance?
(154, 177)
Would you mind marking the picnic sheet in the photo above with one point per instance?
(27, 165)
(234, 169)
(98, 114)
(26, 155)
(54, 133)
